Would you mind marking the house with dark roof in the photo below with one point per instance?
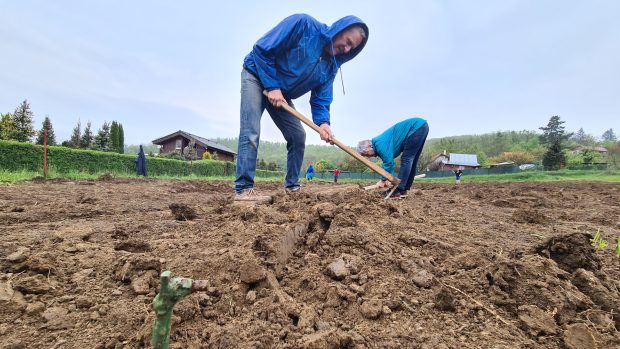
(452, 161)
(177, 141)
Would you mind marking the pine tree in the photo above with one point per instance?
(114, 137)
(582, 138)
(553, 136)
(22, 120)
(554, 158)
(6, 126)
(51, 137)
(74, 141)
(86, 141)
(579, 136)
(609, 135)
(102, 139)
(121, 139)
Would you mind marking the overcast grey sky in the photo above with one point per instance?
(468, 67)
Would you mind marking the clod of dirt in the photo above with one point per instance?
(571, 251)
(337, 269)
(444, 300)
(182, 212)
(135, 246)
(591, 286)
(143, 283)
(537, 321)
(251, 273)
(503, 203)
(10, 299)
(326, 210)
(18, 256)
(531, 216)
(422, 279)
(517, 282)
(327, 339)
(37, 284)
(578, 336)
(17, 209)
(86, 200)
(57, 318)
(343, 266)
(128, 269)
(371, 309)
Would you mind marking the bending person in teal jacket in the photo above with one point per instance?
(298, 56)
(406, 137)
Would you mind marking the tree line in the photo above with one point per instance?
(551, 148)
(19, 126)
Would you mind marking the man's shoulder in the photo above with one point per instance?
(305, 18)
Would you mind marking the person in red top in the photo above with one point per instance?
(336, 174)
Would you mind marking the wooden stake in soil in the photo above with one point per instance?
(45, 153)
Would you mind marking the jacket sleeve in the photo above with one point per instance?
(388, 161)
(320, 100)
(273, 44)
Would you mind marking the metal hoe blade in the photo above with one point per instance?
(390, 193)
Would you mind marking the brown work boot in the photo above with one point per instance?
(250, 195)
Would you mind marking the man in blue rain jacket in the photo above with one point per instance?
(299, 55)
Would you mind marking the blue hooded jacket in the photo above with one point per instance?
(291, 57)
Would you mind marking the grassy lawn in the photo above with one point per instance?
(529, 176)
(536, 176)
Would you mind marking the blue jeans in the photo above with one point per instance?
(253, 104)
(411, 154)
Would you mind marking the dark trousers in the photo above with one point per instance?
(411, 154)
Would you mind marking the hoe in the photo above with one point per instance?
(395, 181)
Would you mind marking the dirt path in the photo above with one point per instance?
(469, 266)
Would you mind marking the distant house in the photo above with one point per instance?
(451, 161)
(581, 149)
(177, 141)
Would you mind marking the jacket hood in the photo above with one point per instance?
(341, 25)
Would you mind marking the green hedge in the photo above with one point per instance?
(18, 156)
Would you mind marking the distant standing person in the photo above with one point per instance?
(297, 56)
(336, 175)
(141, 163)
(310, 173)
(458, 173)
(406, 137)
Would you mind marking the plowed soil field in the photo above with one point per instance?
(451, 266)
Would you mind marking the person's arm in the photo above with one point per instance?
(388, 160)
(271, 45)
(320, 100)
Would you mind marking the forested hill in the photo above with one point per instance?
(485, 146)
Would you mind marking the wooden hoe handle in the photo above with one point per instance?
(371, 165)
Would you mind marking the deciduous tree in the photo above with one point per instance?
(6, 126)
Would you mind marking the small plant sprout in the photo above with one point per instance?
(618, 247)
(598, 241)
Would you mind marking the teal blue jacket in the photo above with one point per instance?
(389, 145)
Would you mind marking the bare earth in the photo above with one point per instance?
(468, 266)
